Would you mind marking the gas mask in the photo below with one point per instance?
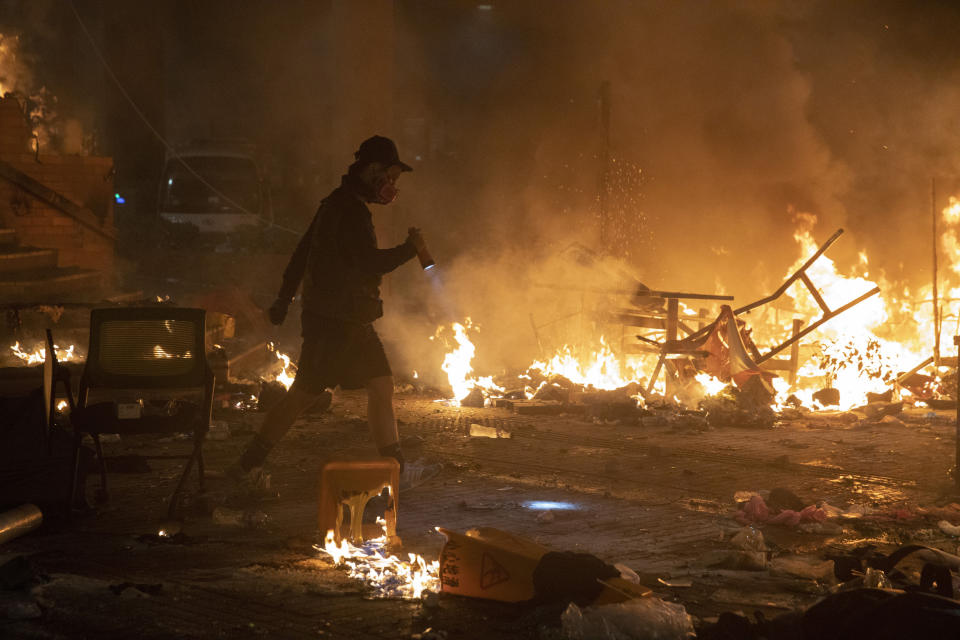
(385, 191)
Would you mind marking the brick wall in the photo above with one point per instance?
(15, 133)
(86, 181)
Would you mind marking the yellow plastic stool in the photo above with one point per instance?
(354, 483)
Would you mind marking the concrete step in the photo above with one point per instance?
(51, 285)
(15, 259)
(8, 237)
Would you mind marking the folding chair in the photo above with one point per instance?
(156, 352)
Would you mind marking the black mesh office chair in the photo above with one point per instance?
(137, 357)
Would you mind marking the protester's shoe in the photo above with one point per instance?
(244, 487)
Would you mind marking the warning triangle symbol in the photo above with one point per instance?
(491, 572)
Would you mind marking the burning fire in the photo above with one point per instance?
(854, 352)
(600, 369)
(388, 575)
(289, 370)
(39, 353)
(16, 78)
(456, 364)
(860, 351)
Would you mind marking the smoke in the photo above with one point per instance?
(711, 152)
(727, 120)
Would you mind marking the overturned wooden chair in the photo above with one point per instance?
(691, 346)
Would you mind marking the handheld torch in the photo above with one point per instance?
(423, 254)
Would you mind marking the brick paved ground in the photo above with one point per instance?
(658, 500)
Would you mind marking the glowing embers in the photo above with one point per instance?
(387, 575)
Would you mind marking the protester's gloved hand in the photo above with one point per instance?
(278, 311)
(415, 237)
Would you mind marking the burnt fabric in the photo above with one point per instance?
(728, 358)
(337, 352)
(565, 575)
(339, 262)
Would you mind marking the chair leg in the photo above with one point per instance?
(656, 373)
(75, 480)
(200, 470)
(103, 468)
(174, 499)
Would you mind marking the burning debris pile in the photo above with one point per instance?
(260, 385)
(860, 350)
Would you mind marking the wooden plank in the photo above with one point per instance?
(813, 291)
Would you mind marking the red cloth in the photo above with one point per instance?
(728, 357)
(756, 511)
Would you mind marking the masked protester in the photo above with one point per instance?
(341, 268)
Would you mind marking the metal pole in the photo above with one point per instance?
(936, 297)
(604, 97)
(936, 301)
(956, 437)
(16, 522)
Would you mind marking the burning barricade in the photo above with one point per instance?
(718, 368)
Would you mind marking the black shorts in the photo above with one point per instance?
(337, 353)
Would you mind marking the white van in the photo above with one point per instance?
(238, 203)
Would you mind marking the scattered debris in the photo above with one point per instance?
(797, 567)
(736, 560)
(219, 430)
(827, 397)
(756, 511)
(239, 518)
(749, 539)
(480, 431)
(676, 584)
(636, 619)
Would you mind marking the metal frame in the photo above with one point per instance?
(668, 348)
(101, 417)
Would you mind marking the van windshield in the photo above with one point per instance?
(235, 178)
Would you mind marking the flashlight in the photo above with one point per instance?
(423, 254)
(426, 260)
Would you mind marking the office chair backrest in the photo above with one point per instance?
(143, 347)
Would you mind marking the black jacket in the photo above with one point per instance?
(339, 262)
